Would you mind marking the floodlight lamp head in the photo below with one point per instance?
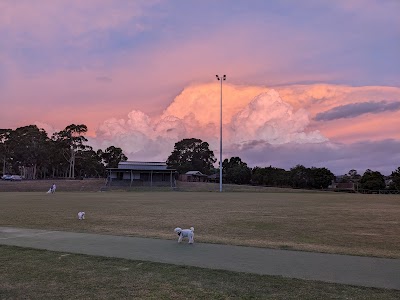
(224, 77)
(217, 76)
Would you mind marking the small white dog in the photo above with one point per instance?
(81, 215)
(185, 233)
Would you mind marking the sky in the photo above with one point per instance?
(309, 82)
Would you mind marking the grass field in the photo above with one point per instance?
(322, 222)
(37, 274)
(254, 216)
(88, 185)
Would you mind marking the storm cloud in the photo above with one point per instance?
(357, 109)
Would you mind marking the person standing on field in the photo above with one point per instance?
(53, 188)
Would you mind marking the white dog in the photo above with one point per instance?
(52, 189)
(81, 215)
(185, 233)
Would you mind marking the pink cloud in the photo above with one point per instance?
(250, 113)
(362, 128)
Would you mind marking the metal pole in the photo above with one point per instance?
(220, 146)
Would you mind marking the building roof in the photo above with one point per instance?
(197, 173)
(142, 165)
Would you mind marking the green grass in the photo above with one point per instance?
(37, 274)
(322, 222)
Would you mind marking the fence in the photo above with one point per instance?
(378, 191)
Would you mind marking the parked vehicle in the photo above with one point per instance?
(16, 178)
(6, 177)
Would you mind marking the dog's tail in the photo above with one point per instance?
(192, 228)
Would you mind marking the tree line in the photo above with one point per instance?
(30, 152)
(194, 155)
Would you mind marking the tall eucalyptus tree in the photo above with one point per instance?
(4, 148)
(71, 140)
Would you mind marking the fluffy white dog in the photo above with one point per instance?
(52, 189)
(81, 215)
(185, 233)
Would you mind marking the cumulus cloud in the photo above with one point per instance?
(249, 114)
(140, 137)
(267, 126)
(267, 117)
(357, 109)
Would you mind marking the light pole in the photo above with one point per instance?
(220, 134)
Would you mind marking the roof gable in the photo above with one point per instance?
(194, 173)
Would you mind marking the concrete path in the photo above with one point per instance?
(354, 270)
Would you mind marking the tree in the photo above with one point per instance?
(4, 148)
(395, 176)
(71, 140)
(235, 171)
(29, 151)
(344, 179)
(28, 146)
(300, 176)
(58, 165)
(321, 177)
(270, 176)
(353, 175)
(191, 154)
(372, 180)
(112, 156)
(257, 176)
(89, 163)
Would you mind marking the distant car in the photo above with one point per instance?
(6, 177)
(16, 178)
